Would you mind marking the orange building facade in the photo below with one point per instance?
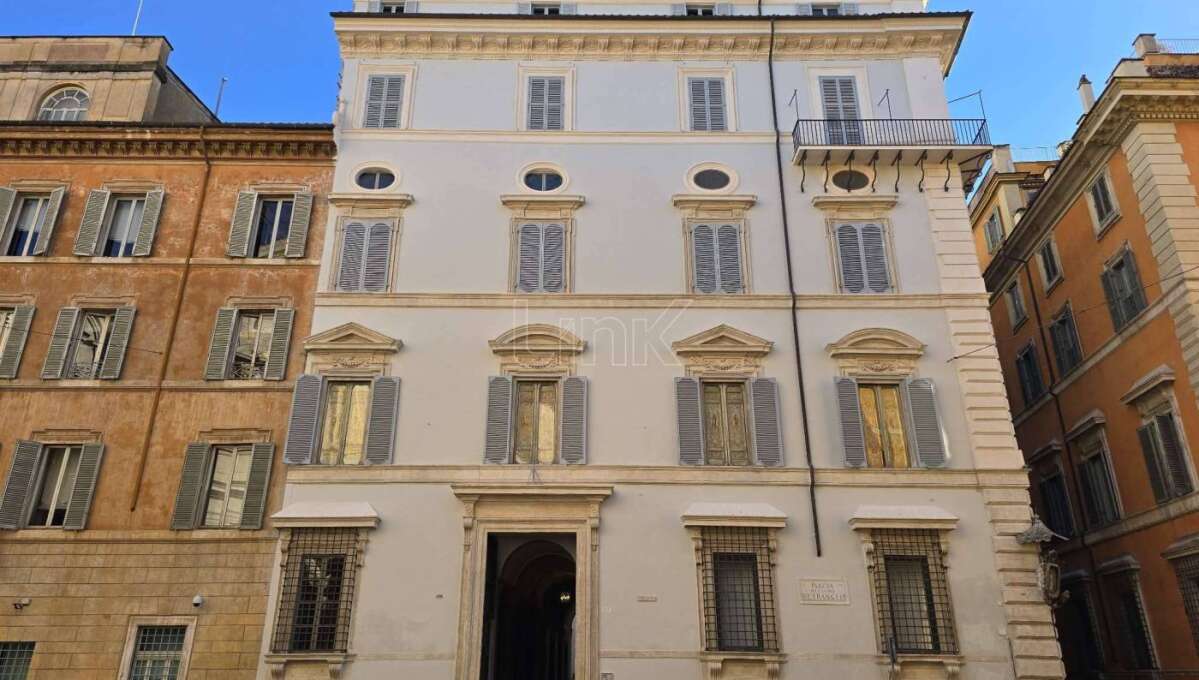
(156, 284)
(1092, 263)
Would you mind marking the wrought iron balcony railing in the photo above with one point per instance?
(891, 132)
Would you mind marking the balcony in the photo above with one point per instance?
(891, 141)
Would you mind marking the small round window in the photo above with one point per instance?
(850, 180)
(543, 180)
(711, 180)
(375, 178)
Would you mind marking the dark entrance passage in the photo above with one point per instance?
(529, 608)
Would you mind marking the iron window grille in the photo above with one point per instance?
(157, 653)
(1133, 640)
(911, 592)
(15, 658)
(1187, 571)
(317, 591)
(738, 590)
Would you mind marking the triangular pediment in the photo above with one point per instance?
(723, 339)
(351, 336)
(537, 337)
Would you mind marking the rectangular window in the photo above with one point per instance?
(1165, 457)
(546, 9)
(1101, 200)
(1123, 290)
(726, 424)
(1082, 651)
(251, 344)
(1187, 570)
(911, 591)
(15, 658)
(366, 255)
(698, 10)
(716, 258)
(6, 324)
(541, 257)
(26, 224)
(536, 438)
(392, 8)
(384, 99)
(316, 591)
(1055, 503)
(1015, 304)
(1051, 268)
(1099, 491)
(90, 344)
(738, 590)
(1064, 335)
(271, 227)
(842, 114)
(993, 231)
(706, 101)
(343, 427)
(227, 486)
(1133, 640)
(1032, 387)
(122, 226)
(55, 484)
(862, 257)
(883, 425)
(158, 653)
(826, 10)
(547, 95)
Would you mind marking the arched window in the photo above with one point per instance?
(69, 103)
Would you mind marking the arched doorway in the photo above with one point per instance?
(529, 608)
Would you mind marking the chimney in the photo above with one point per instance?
(1086, 94)
(1146, 43)
(1001, 158)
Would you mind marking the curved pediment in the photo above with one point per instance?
(537, 337)
(883, 342)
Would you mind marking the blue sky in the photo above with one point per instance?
(281, 58)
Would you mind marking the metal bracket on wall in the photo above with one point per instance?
(948, 158)
(850, 165)
(920, 162)
(898, 168)
(873, 171)
(827, 157)
(803, 170)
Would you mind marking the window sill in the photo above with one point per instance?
(1103, 227)
(1019, 324)
(925, 665)
(1052, 285)
(334, 662)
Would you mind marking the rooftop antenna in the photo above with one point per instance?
(220, 92)
(137, 17)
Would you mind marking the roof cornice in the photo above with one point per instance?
(148, 141)
(598, 37)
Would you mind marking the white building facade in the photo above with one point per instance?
(610, 381)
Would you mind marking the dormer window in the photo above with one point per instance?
(66, 104)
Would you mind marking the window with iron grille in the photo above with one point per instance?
(157, 653)
(14, 660)
(317, 591)
(911, 592)
(1133, 641)
(738, 590)
(1187, 570)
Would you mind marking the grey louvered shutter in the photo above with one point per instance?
(849, 251)
(722, 9)
(703, 245)
(497, 443)
(193, 480)
(381, 424)
(301, 216)
(60, 342)
(118, 343)
(698, 100)
(217, 366)
(528, 264)
(853, 440)
(926, 423)
(768, 424)
(85, 487)
(690, 421)
(242, 226)
(22, 471)
(378, 257)
(349, 271)
(716, 113)
(678, 10)
(1152, 463)
(1135, 289)
(384, 96)
(555, 102)
(149, 227)
(573, 432)
(8, 198)
(92, 222)
(553, 259)
(10, 354)
(262, 456)
(874, 253)
(804, 9)
(728, 241)
(1113, 301)
(49, 220)
(302, 423)
(1173, 455)
(276, 361)
(537, 103)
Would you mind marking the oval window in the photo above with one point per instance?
(850, 180)
(543, 180)
(375, 178)
(711, 180)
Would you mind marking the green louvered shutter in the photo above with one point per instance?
(10, 354)
(85, 487)
(297, 233)
(242, 226)
(149, 226)
(193, 482)
(262, 456)
(276, 362)
(22, 471)
(92, 222)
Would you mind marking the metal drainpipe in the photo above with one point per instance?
(803, 401)
(170, 342)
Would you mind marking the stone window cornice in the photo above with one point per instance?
(350, 350)
(722, 351)
(877, 352)
(537, 349)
